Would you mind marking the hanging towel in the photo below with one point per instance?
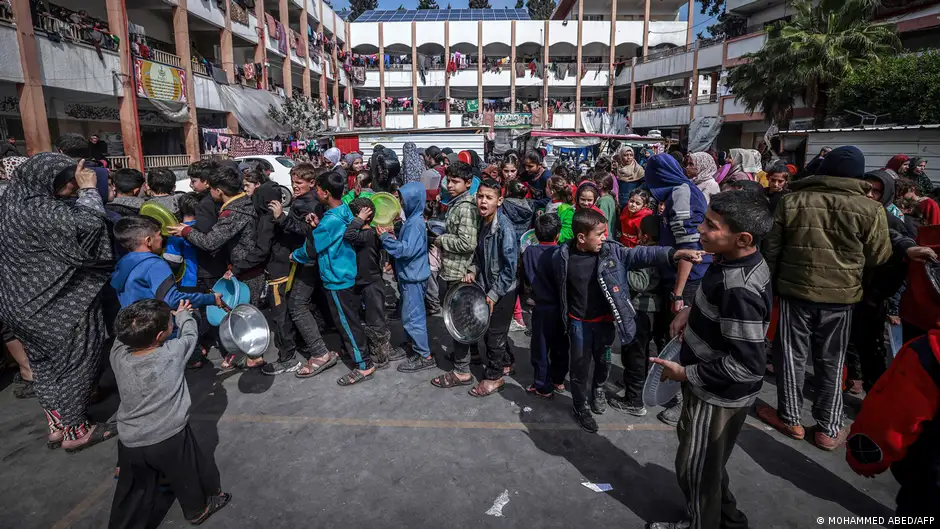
(271, 24)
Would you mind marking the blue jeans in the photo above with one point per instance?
(588, 341)
(413, 316)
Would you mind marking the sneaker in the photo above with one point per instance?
(398, 353)
(417, 363)
(671, 415)
(516, 326)
(623, 406)
(769, 415)
(669, 525)
(599, 402)
(586, 420)
(281, 366)
(824, 442)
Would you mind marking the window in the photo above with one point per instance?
(286, 162)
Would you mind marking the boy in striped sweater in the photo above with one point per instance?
(722, 358)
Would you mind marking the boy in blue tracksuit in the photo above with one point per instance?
(142, 273)
(336, 260)
(594, 300)
(179, 252)
(410, 251)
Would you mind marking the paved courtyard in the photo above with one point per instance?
(398, 452)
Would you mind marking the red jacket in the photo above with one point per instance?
(920, 303)
(630, 226)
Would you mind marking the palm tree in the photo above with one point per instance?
(810, 55)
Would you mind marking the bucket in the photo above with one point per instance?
(234, 293)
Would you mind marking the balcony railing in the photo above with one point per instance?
(166, 58)
(166, 160)
(708, 98)
(118, 162)
(199, 68)
(664, 103)
(213, 157)
(667, 53)
(6, 15)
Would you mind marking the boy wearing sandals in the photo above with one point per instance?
(494, 268)
(153, 417)
(336, 260)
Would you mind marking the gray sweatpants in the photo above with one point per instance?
(707, 434)
(804, 331)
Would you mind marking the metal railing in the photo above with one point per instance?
(664, 103)
(6, 15)
(166, 160)
(210, 157)
(166, 58)
(667, 53)
(707, 98)
(199, 68)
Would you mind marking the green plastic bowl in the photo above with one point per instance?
(387, 208)
(161, 214)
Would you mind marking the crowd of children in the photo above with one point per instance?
(679, 258)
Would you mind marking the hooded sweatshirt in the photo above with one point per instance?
(145, 275)
(233, 231)
(335, 256)
(519, 213)
(272, 249)
(685, 210)
(887, 278)
(410, 249)
(125, 205)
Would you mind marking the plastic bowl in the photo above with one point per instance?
(161, 214)
(387, 208)
(234, 293)
(528, 239)
(657, 392)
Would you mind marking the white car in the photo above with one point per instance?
(279, 166)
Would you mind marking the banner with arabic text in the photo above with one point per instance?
(159, 81)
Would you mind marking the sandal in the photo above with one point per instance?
(354, 377)
(215, 505)
(102, 432)
(532, 390)
(511, 372)
(231, 362)
(314, 369)
(54, 440)
(449, 380)
(479, 394)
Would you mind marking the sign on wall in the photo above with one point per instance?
(159, 81)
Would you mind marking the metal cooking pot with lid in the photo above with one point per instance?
(466, 314)
(245, 330)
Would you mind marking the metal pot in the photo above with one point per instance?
(466, 314)
(245, 330)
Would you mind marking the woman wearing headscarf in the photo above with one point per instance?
(8, 166)
(899, 163)
(700, 167)
(353, 166)
(55, 257)
(332, 157)
(412, 164)
(917, 173)
(745, 163)
(629, 174)
(725, 160)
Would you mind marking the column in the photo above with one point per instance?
(382, 72)
(512, 64)
(228, 60)
(305, 38)
(577, 81)
(181, 37)
(694, 95)
(480, 70)
(632, 90)
(688, 31)
(32, 102)
(261, 53)
(714, 84)
(613, 51)
(323, 97)
(545, 42)
(286, 68)
(414, 73)
(127, 104)
(446, 75)
(336, 70)
(646, 29)
(350, 94)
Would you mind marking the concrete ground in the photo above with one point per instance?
(398, 452)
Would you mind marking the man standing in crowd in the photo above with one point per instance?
(9, 148)
(97, 149)
(826, 234)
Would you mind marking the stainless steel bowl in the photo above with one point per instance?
(245, 330)
(466, 314)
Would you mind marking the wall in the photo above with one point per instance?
(456, 140)
(399, 121)
(207, 94)
(661, 117)
(77, 67)
(751, 44)
(11, 69)
(879, 146)
(157, 24)
(707, 109)
(208, 11)
(675, 66)
(710, 57)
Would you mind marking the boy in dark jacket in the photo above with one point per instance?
(234, 235)
(369, 283)
(212, 265)
(142, 273)
(644, 283)
(549, 346)
(161, 184)
(127, 184)
(410, 253)
(721, 364)
(591, 277)
(493, 268)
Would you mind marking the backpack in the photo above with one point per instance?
(895, 410)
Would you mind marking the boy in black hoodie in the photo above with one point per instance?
(369, 283)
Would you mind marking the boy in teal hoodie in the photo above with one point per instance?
(336, 260)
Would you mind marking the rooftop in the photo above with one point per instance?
(430, 15)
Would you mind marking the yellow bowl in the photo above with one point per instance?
(161, 214)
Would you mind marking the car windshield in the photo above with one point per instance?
(286, 162)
